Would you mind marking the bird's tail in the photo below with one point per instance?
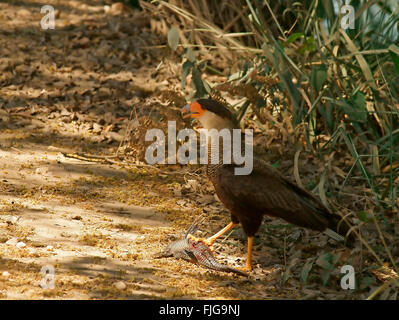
(319, 217)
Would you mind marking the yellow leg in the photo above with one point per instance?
(209, 241)
(248, 264)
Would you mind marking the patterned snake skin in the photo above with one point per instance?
(196, 252)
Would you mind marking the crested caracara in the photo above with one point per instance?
(263, 192)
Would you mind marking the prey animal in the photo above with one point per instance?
(197, 252)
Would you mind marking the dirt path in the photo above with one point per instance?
(96, 225)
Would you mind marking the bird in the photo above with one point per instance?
(265, 191)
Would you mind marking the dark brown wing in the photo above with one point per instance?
(265, 191)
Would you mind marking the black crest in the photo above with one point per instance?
(217, 108)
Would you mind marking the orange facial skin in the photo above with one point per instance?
(193, 110)
(196, 110)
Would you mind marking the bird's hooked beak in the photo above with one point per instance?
(186, 112)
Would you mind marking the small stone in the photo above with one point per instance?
(117, 8)
(21, 245)
(84, 41)
(120, 285)
(14, 219)
(177, 192)
(206, 199)
(193, 184)
(12, 241)
(115, 136)
(24, 13)
(96, 128)
(5, 274)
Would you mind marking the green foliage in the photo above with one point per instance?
(319, 77)
(394, 53)
(190, 66)
(326, 76)
(327, 262)
(362, 215)
(306, 270)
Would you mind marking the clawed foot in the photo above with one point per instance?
(207, 242)
(247, 268)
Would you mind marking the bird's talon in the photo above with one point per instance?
(195, 239)
(204, 241)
